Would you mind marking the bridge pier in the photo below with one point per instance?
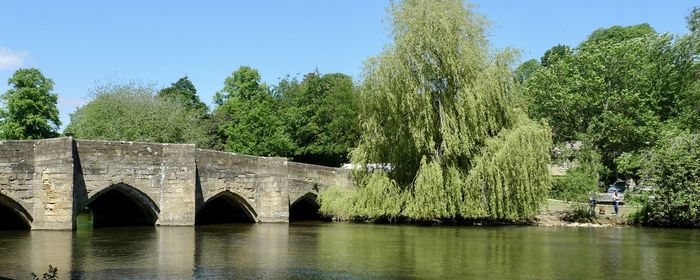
(178, 172)
(272, 195)
(52, 184)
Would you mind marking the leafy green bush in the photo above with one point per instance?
(51, 274)
(675, 167)
(132, 112)
(579, 181)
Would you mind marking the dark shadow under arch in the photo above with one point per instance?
(13, 215)
(122, 205)
(224, 208)
(305, 208)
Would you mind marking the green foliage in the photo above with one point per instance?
(132, 112)
(51, 274)
(689, 106)
(693, 20)
(620, 33)
(379, 198)
(617, 93)
(525, 70)
(244, 84)
(430, 199)
(512, 173)
(689, 109)
(246, 120)
(184, 91)
(554, 54)
(675, 167)
(30, 107)
(438, 107)
(320, 115)
(581, 180)
(337, 202)
(629, 164)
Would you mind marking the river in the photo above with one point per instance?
(316, 250)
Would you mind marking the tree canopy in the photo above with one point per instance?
(133, 112)
(618, 33)
(526, 69)
(184, 91)
(554, 54)
(30, 107)
(245, 120)
(436, 108)
(615, 93)
(320, 116)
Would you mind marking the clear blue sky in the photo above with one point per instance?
(79, 43)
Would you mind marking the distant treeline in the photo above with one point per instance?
(312, 120)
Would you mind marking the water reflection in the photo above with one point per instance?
(315, 250)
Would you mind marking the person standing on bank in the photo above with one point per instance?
(616, 201)
(592, 202)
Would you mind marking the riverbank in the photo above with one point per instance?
(554, 213)
(559, 213)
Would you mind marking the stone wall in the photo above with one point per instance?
(49, 181)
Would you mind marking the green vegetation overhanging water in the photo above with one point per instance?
(352, 251)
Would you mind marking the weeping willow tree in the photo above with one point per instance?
(437, 107)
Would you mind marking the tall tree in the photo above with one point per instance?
(615, 92)
(184, 91)
(320, 115)
(243, 84)
(436, 110)
(133, 112)
(30, 107)
(246, 120)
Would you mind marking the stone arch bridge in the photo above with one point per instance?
(44, 184)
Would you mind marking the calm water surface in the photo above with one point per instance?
(353, 251)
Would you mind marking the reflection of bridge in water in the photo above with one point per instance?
(150, 252)
(44, 184)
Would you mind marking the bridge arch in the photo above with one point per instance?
(13, 215)
(305, 208)
(225, 207)
(122, 205)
